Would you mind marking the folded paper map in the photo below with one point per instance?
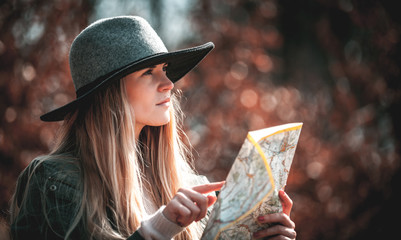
(251, 189)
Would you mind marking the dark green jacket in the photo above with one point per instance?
(52, 200)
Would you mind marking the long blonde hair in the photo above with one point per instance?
(116, 169)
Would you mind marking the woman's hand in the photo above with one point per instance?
(284, 227)
(189, 204)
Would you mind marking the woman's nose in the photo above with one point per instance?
(165, 83)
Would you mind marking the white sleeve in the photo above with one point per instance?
(158, 227)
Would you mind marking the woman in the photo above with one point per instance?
(119, 168)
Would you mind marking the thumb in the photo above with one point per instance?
(211, 200)
(286, 202)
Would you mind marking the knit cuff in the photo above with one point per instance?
(158, 227)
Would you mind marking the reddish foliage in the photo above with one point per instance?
(333, 65)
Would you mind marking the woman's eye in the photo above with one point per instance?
(148, 72)
(165, 67)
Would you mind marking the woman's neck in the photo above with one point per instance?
(138, 129)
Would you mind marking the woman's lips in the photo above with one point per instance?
(165, 102)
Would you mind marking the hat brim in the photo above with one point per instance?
(179, 64)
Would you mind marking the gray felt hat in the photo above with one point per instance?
(112, 48)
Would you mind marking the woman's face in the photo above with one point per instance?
(149, 92)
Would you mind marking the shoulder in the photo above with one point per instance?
(56, 176)
(48, 196)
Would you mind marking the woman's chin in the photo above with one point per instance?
(161, 122)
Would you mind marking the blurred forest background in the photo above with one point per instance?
(332, 64)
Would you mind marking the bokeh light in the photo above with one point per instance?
(333, 65)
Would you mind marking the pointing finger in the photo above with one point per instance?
(210, 187)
